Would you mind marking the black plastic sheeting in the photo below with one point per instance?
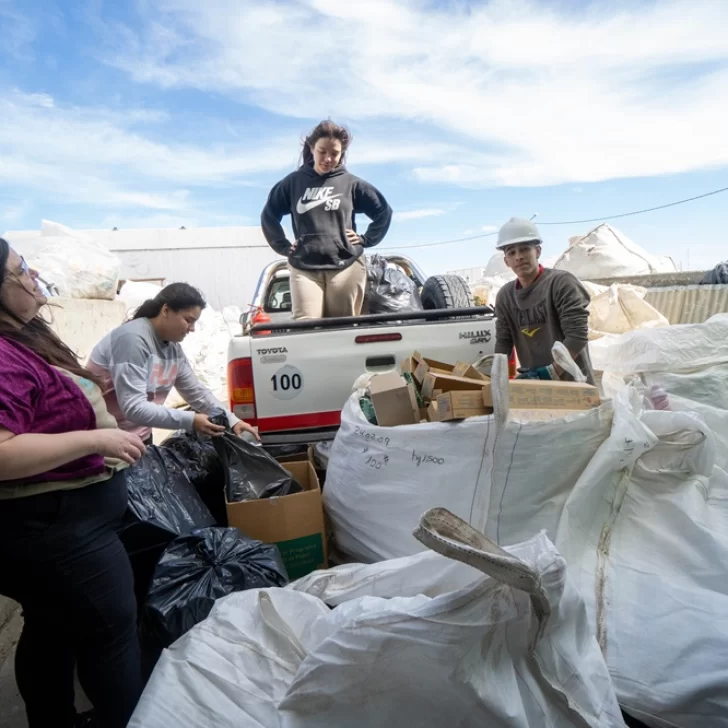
(250, 472)
(204, 468)
(389, 290)
(197, 569)
(163, 503)
(227, 465)
(718, 275)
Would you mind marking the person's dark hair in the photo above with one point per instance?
(325, 130)
(178, 296)
(36, 334)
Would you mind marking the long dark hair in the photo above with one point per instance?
(325, 130)
(36, 334)
(178, 296)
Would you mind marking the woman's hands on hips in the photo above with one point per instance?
(353, 238)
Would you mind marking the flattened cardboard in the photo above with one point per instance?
(432, 412)
(541, 394)
(448, 383)
(459, 405)
(463, 369)
(425, 365)
(295, 523)
(394, 400)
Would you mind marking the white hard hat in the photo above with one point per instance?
(518, 230)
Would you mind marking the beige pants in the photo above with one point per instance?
(328, 293)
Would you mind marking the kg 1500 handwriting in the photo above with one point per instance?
(425, 459)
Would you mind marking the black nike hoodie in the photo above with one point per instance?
(321, 210)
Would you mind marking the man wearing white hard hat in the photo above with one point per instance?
(542, 306)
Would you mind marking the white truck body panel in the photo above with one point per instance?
(299, 374)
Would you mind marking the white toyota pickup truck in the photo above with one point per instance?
(292, 378)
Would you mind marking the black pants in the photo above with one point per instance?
(61, 558)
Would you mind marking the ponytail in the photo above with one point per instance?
(178, 296)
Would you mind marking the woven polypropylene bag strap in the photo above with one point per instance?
(443, 532)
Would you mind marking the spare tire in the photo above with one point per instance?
(446, 292)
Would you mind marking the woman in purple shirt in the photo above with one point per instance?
(62, 499)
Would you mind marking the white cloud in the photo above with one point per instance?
(518, 94)
(488, 228)
(417, 214)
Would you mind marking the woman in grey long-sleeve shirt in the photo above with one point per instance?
(141, 360)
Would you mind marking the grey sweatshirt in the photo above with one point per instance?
(138, 370)
(555, 307)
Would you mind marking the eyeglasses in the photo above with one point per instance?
(24, 271)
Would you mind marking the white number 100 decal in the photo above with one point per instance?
(286, 383)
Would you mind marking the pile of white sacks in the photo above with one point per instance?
(608, 583)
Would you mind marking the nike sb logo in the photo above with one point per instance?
(530, 332)
(316, 196)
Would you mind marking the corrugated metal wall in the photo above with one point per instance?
(689, 304)
(226, 276)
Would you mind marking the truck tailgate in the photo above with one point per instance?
(303, 379)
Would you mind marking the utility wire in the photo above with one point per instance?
(567, 222)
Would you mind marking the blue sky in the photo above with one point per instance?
(176, 112)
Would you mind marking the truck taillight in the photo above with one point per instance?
(241, 389)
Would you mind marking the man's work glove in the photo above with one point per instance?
(538, 373)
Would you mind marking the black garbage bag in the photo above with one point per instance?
(203, 467)
(718, 275)
(250, 472)
(163, 503)
(389, 290)
(197, 569)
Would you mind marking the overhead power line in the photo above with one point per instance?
(601, 218)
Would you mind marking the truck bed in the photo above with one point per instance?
(303, 372)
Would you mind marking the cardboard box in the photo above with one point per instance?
(408, 366)
(433, 414)
(295, 523)
(394, 400)
(463, 369)
(425, 365)
(541, 394)
(459, 405)
(448, 383)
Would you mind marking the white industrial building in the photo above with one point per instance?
(223, 262)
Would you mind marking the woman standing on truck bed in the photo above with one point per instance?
(326, 261)
(140, 361)
(62, 500)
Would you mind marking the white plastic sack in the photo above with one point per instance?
(622, 308)
(508, 650)
(507, 478)
(645, 534)
(134, 293)
(206, 350)
(77, 265)
(485, 290)
(605, 252)
(683, 347)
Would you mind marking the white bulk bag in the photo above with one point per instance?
(622, 308)
(605, 252)
(507, 478)
(682, 347)
(645, 535)
(77, 265)
(508, 650)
